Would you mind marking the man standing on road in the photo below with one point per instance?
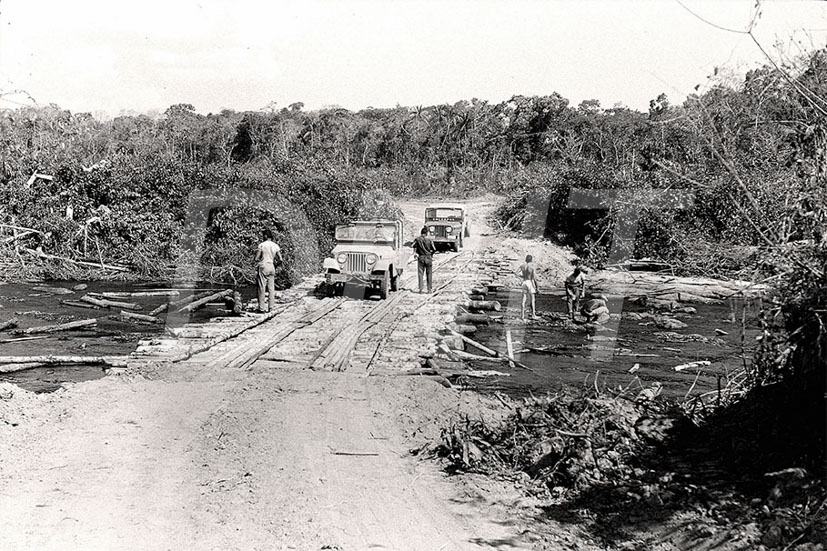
(575, 289)
(265, 256)
(424, 250)
(529, 286)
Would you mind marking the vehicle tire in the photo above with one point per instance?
(384, 285)
(395, 281)
(467, 231)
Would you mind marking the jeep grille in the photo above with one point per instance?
(439, 231)
(356, 262)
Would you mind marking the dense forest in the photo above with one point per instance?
(751, 156)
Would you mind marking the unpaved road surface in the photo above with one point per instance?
(203, 455)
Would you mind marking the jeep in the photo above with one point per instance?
(447, 223)
(367, 252)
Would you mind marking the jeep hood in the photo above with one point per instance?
(379, 250)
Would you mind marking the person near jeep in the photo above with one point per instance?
(424, 250)
(266, 255)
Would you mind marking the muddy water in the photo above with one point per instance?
(111, 337)
(560, 353)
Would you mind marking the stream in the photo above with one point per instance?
(555, 352)
(112, 336)
(559, 353)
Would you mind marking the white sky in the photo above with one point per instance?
(109, 56)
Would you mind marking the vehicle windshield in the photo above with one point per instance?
(443, 214)
(365, 233)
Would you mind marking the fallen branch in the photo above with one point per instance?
(72, 261)
(19, 236)
(20, 228)
(8, 324)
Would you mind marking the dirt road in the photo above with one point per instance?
(200, 455)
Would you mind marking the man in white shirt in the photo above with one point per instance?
(265, 256)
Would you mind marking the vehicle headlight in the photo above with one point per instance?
(371, 259)
(432, 229)
(449, 229)
(342, 258)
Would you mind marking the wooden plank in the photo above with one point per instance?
(509, 347)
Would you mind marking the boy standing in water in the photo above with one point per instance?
(529, 286)
(265, 256)
(575, 288)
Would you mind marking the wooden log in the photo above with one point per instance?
(111, 361)
(447, 367)
(483, 305)
(692, 365)
(79, 304)
(468, 356)
(18, 339)
(475, 344)
(445, 349)
(464, 329)
(8, 324)
(478, 291)
(125, 294)
(198, 303)
(140, 317)
(161, 308)
(53, 290)
(106, 303)
(60, 327)
(481, 319)
(191, 298)
(13, 368)
(485, 373)
(476, 297)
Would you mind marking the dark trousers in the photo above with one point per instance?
(424, 271)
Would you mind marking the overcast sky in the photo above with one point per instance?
(109, 56)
